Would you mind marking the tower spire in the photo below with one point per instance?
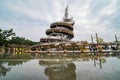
(66, 12)
(67, 17)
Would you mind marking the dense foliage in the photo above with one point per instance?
(21, 41)
(7, 37)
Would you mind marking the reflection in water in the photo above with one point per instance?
(17, 62)
(62, 67)
(3, 69)
(59, 70)
(99, 60)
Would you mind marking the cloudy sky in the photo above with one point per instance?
(30, 18)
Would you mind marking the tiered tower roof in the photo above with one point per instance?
(62, 30)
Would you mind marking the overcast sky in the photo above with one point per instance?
(31, 18)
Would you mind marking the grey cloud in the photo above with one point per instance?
(91, 16)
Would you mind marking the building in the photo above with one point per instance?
(61, 31)
(60, 36)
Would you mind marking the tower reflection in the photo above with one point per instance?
(59, 70)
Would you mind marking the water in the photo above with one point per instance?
(83, 68)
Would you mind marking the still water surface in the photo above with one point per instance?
(92, 68)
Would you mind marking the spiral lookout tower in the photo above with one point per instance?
(60, 31)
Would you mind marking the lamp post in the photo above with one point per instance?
(116, 40)
(96, 37)
(92, 39)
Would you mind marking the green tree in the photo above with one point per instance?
(5, 36)
(100, 40)
(17, 40)
(21, 41)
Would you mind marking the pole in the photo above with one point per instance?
(92, 39)
(116, 38)
(116, 41)
(97, 38)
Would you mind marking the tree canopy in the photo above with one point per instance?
(7, 37)
(21, 41)
(100, 40)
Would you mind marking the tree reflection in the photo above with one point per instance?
(17, 62)
(98, 60)
(59, 70)
(116, 55)
(3, 69)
